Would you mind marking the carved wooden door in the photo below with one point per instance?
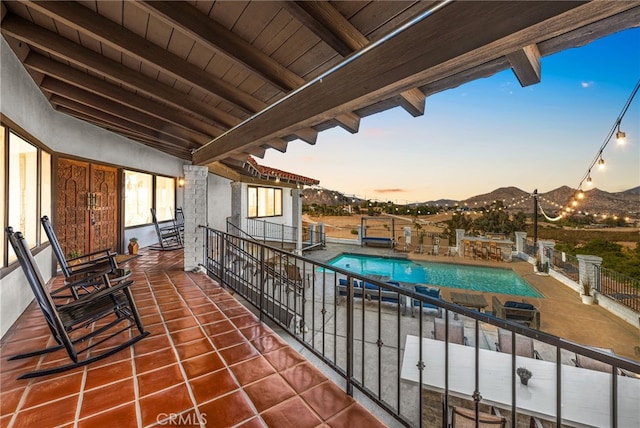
(103, 215)
(87, 202)
(72, 215)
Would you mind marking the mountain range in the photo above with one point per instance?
(595, 201)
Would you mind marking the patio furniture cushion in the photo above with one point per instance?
(518, 305)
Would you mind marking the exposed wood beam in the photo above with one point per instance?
(328, 24)
(409, 56)
(349, 122)
(237, 157)
(217, 37)
(526, 64)
(277, 143)
(312, 17)
(126, 132)
(218, 168)
(65, 49)
(112, 120)
(114, 93)
(83, 97)
(87, 22)
(413, 101)
(256, 151)
(308, 135)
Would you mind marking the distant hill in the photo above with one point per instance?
(596, 201)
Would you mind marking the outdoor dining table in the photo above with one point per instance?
(585, 393)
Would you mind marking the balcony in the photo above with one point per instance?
(208, 362)
(290, 350)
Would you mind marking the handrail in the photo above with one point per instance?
(362, 341)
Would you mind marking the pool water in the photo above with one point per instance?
(477, 278)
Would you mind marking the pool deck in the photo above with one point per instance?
(562, 312)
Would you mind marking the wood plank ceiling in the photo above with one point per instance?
(216, 81)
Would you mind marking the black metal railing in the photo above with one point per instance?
(267, 231)
(379, 336)
(565, 264)
(622, 288)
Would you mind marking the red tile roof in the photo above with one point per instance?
(282, 175)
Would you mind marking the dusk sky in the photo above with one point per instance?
(492, 133)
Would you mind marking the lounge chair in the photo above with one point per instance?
(84, 264)
(524, 345)
(426, 291)
(592, 364)
(456, 331)
(83, 325)
(520, 312)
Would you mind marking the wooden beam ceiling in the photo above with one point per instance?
(176, 75)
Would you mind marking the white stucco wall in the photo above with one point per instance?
(23, 103)
(219, 201)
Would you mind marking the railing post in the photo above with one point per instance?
(221, 242)
(350, 305)
(262, 279)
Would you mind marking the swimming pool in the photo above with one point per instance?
(477, 278)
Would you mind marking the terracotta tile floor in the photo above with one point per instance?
(208, 359)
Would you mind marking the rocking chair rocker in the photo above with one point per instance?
(111, 308)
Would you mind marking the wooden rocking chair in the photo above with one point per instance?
(111, 308)
(169, 237)
(74, 269)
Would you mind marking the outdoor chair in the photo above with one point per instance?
(592, 364)
(180, 221)
(83, 325)
(426, 291)
(456, 331)
(168, 236)
(466, 418)
(524, 345)
(86, 264)
(520, 312)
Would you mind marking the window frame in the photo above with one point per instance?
(154, 196)
(277, 208)
(43, 153)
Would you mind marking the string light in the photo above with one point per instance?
(599, 159)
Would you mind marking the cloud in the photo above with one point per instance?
(586, 84)
(375, 132)
(390, 190)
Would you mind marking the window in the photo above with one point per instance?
(138, 198)
(45, 196)
(25, 189)
(3, 205)
(23, 186)
(264, 202)
(144, 191)
(165, 198)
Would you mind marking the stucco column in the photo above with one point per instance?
(587, 267)
(459, 238)
(195, 214)
(236, 207)
(296, 214)
(520, 240)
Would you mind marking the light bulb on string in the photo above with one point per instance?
(601, 162)
(580, 194)
(621, 137)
